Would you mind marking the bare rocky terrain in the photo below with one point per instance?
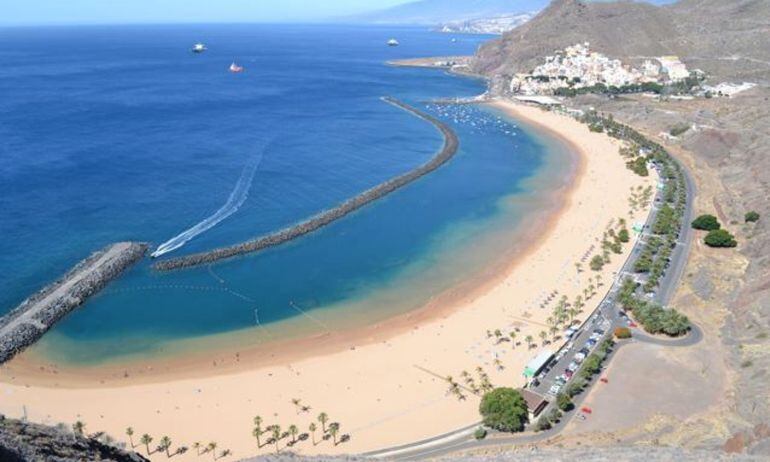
(26, 442)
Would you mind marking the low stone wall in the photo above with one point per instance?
(17, 333)
(448, 150)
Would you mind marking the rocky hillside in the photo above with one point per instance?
(724, 38)
(26, 442)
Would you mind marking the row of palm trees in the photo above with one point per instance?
(165, 443)
(329, 430)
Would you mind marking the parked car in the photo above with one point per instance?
(569, 374)
(573, 366)
(561, 380)
(555, 388)
(584, 351)
(579, 358)
(590, 343)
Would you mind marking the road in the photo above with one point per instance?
(606, 317)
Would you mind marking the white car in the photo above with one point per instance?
(555, 389)
(573, 366)
(579, 358)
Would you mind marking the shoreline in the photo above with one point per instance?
(194, 358)
(384, 381)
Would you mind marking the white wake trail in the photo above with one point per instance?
(234, 202)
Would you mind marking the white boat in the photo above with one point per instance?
(393, 43)
(199, 48)
(234, 68)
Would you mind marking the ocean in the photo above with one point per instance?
(121, 133)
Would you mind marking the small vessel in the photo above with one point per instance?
(199, 48)
(235, 69)
(393, 43)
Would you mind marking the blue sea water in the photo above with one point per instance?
(120, 133)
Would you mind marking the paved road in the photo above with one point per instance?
(606, 317)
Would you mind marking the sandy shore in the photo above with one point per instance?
(383, 384)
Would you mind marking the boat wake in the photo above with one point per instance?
(234, 202)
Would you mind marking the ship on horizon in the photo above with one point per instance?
(199, 48)
(393, 43)
(235, 69)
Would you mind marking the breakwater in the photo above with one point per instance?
(34, 316)
(447, 151)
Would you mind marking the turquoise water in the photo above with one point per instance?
(122, 134)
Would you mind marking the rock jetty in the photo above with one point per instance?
(28, 322)
(284, 235)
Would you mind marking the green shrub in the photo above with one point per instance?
(554, 415)
(597, 262)
(480, 433)
(720, 238)
(751, 217)
(679, 129)
(706, 223)
(504, 409)
(575, 387)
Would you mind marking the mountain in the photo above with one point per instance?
(433, 12)
(496, 25)
(632, 30)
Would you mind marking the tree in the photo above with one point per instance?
(334, 430)
(323, 418)
(146, 440)
(597, 262)
(212, 448)
(623, 235)
(504, 409)
(622, 332)
(79, 428)
(751, 217)
(564, 402)
(165, 445)
(720, 238)
(542, 424)
(313, 429)
(706, 223)
(130, 433)
(554, 415)
(276, 437)
(257, 433)
(528, 339)
(197, 446)
(293, 431)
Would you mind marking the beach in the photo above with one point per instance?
(384, 384)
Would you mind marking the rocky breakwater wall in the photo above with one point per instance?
(446, 152)
(34, 316)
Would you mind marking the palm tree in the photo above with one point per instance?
(312, 429)
(165, 445)
(528, 339)
(197, 446)
(296, 402)
(498, 364)
(212, 447)
(79, 428)
(334, 430)
(293, 431)
(323, 418)
(225, 453)
(553, 331)
(543, 335)
(276, 437)
(257, 432)
(130, 433)
(146, 440)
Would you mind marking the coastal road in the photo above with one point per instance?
(606, 317)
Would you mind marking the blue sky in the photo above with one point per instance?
(153, 11)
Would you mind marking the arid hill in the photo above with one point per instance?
(727, 39)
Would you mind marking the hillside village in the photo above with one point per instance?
(577, 67)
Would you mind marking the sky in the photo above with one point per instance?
(43, 12)
(30, 12)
